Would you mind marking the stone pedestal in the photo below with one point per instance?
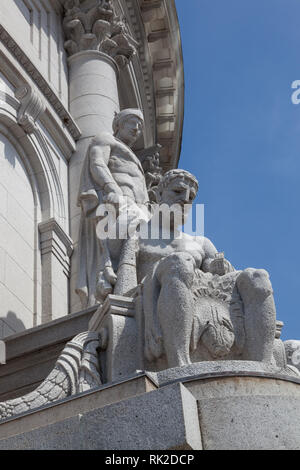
(120, 323)
(116, 323)
(234, 405)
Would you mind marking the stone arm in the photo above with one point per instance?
(99, 159)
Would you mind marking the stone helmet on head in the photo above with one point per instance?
(124, 115)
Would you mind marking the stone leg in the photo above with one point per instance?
(260, 314)
(175, 306)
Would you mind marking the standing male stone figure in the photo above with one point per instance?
(111, 171)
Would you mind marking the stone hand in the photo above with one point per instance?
(110, 275)
(220, 266)
(113, 194)
(113, 198)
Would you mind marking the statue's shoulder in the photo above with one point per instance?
(103, 138)
(195, 238)
(206, 245)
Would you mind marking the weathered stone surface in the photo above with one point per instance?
(70, 406)
(31, 355)
(250, 423)
(119, 339)
(63, 436)
(143, 422)
(234, 413)
(292, 349)
(76, 370)
(210, 369)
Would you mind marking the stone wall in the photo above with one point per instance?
(49, 111)
(37, 27)
(17, 242)
(35, 148)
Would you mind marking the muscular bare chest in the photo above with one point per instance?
(152, 251)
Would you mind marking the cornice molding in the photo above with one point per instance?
(144, 60)
(56, 241)
(52, 225)
(160, 55)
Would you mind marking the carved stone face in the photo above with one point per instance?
(130, 130)
(180, 192)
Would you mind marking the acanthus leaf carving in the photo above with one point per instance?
(97, 28)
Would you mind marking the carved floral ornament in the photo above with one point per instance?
(95, 26)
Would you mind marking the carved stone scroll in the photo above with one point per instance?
(31, 108)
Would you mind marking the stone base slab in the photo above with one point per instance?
(146, 421)
(203, 406)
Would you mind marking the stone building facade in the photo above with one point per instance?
(57, 90)
(168, 346)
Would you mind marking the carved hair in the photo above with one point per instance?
(125, 114)
(173, 174)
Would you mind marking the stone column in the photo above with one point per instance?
(99, 47)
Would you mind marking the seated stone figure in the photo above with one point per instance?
(194, 299)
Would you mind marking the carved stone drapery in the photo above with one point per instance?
(94, 25)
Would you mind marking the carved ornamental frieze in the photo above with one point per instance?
(96, 26)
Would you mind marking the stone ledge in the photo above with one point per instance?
(83, 402)
(216, 369)
(31, 354)
(237, 413)
(143, 421)
(56, 331)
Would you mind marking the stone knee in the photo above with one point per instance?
(254, 283)
(180, 265)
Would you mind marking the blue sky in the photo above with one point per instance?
(242, 135)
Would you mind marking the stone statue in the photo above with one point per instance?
(111, 173)
(194, 299)
(292, 349)
(151, 165)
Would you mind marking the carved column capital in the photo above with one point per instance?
(94, 25)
